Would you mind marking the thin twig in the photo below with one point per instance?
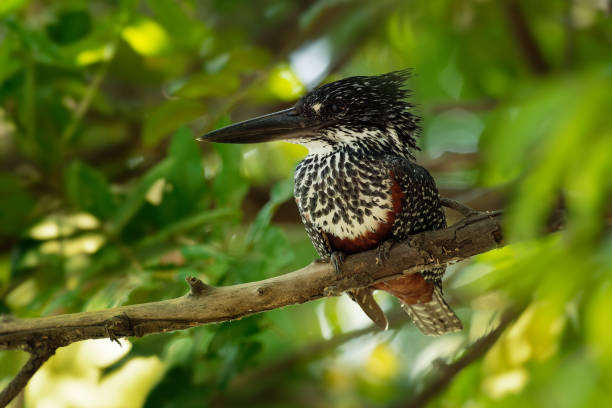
(450, 371)
(459, 207)
(524, 38)
(84, 104)
(36, 360)
(94, 86)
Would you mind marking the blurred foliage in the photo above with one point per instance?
(106, 199)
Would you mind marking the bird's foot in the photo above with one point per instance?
(383, 251)
(336, 260)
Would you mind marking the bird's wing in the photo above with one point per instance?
(421, 210)
(318, 238)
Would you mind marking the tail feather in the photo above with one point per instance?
(364, 298)
(435, 317)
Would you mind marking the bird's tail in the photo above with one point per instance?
(435, 317)
(364, 298)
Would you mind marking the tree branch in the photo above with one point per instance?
(207, 304)
(449, 371)
(460, 208)
(480, 232)
(524, 37)
(37, 359)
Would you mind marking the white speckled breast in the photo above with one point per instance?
(343, 195)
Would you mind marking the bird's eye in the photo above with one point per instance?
(337, 107)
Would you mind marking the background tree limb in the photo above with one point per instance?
(36, 360)
(474, 352)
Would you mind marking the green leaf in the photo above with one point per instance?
(540, 142)
(280, 193)
(172, 16)
(178, 351)
(112, 294)
(16, 205)
(275, 247)
(233, 343)
(538, 191)
(168, 117)
(70, 26)
(236, 359)
(231, 333)
(203, 85)
(197, 252)
(11, 362)
(188, 177)
(89, 190)
(591, 187)
(599, 335)
(184, 190)
(188, 223)
(229, 187)
(38, 45)
(136, 198)
(8, 63)
(11, 6)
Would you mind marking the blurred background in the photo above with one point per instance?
(107, 200)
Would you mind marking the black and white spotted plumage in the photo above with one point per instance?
(343, 188)
(351, 197)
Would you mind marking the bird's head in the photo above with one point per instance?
(365, 113)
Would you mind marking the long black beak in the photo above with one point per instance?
(282, 125)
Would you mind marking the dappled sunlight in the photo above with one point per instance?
(507, 383)
(155, 194)
(353, 317)
(440, 348)
(87, 243)
(535, 336)
(326, 329)
(276, 160)
(284, 84)
(94, 55)
(63, 225)
(51, 229)
(310, 61)
(486, 313)
(146, 37)
(74, 377)
(22, 294)
(102, 353)
(382, 363)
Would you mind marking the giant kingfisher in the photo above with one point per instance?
(359, 187)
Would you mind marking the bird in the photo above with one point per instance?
(359, 187)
